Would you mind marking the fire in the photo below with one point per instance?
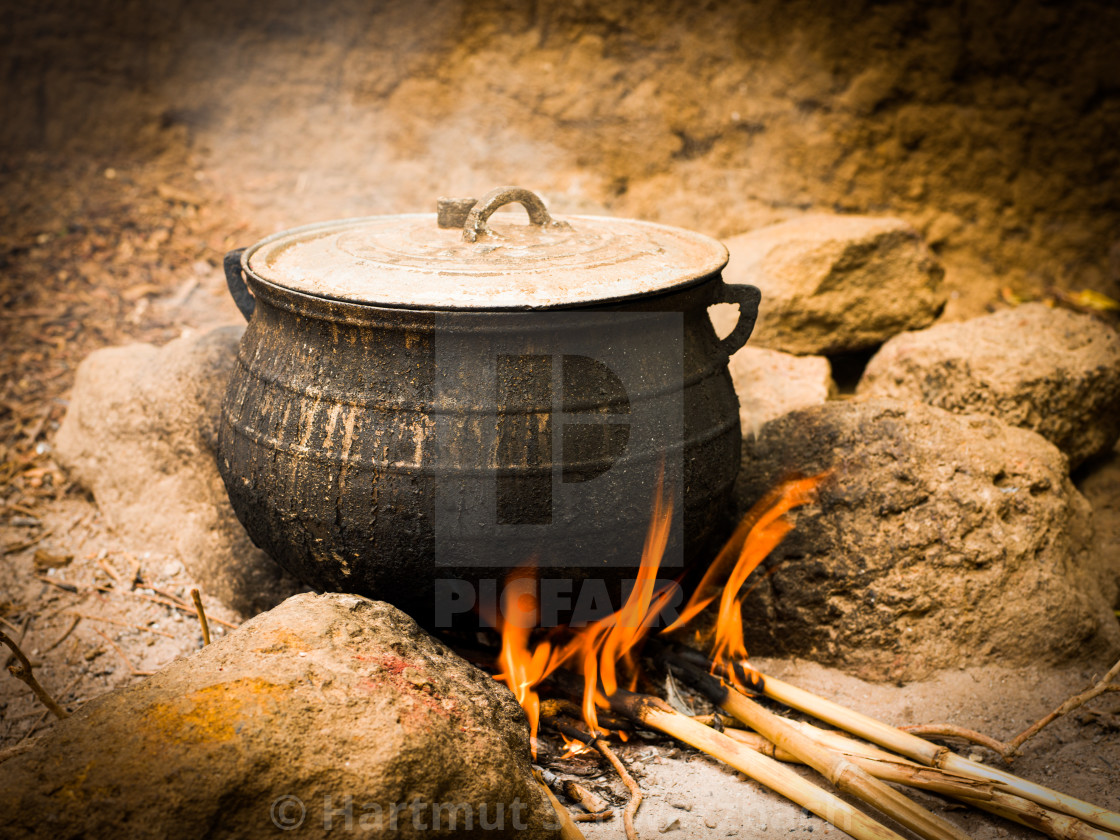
(605, 652)
(601, 647)
(758, 533)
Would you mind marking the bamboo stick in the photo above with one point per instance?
(845, 774)
(1033, 815)
(932, 755)
(911, 746)
(975, 793)
(900, 772)
(658, 715)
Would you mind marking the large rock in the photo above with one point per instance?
(141, 434)
(326, 712)
(770, 383)
(1051, 370)
(834, 284)
(940, 540)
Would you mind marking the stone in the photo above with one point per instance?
(836, 284)
(770, 383)
(1050, 370)
(324, 713)
(141, 435)
(940, 540)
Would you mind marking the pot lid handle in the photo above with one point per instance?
(471, 214)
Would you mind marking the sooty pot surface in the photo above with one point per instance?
(395, 433)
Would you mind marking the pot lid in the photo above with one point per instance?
(457, 260)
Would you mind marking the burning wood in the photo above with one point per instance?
(604, 654)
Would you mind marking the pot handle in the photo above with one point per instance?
(471, 215)
(236, 282)
(748, 298)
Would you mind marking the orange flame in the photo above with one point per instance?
(599, 648)
(759, 532)
(606, 650)
(523, 670)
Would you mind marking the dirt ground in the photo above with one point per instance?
(141, 147)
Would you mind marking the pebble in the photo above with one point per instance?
(679, 802)
(672, 825)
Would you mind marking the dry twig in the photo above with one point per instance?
(586, 799)
(1100, 687)
(122, 624)
(22, 671)
(197, 596)
(550, 714)
(77, 620)
(20, 546)
(109, 570)
(22, 635)
(949, 730)
(632, 786)
(176, 604)
(135, 671)
(64, 585)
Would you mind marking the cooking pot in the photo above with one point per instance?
(423, 403)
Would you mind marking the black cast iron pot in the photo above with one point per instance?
(419, 408)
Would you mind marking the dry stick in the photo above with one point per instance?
(598, 816)
(588, 800)
(77, 620)
(949, 730)
(120, 624)
(135, 671)
(14, 629)
(658, 715)
(15, 749)
(174, 604)
(568, 829)
(932, 755)
(900, 771)
(552, 717)
(718, 722)
(846, 775)
(35, 726)
(22, 671)
(109, 569)
(977, 794)
(20, 546)
(22, 636)
(64, 585)
(1103, 685)
(636, 797)
(201, 617)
